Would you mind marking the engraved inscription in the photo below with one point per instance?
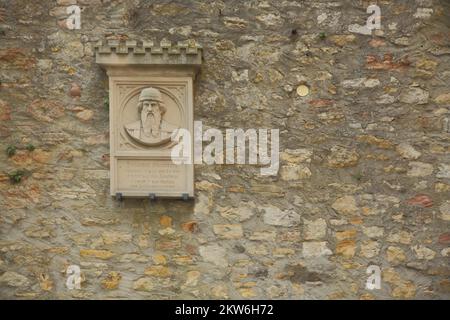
(139, 175)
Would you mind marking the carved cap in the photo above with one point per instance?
(148, 53)
(150, 94)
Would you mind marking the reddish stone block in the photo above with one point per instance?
(5, 111)
(318, 103)
(387, 63)
(12, 58)
(190, 226)
(375, 43)
(444, 238)
(421, 200)
(75, 90)
(106, 160)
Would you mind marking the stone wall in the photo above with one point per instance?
(365, 166)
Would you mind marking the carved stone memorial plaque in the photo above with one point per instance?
(151, 97)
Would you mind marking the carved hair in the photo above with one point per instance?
(162, 108)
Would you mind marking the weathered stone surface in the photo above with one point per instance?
(220, 291)
(346, 234)
(294, 172)
(385, 99)
(347, 248)
(85, 115)
(445, 211)
(341, 157)
(376, 141)
(314, 229)
(443, 98)
(134, 257)
(46, 110)
(214, 254)
(403, 237)
(13, 58)
(361, 83)
(443, 171)
(263, 236)
(395, 255)
(228, 231)
(373, 232)
(345, 205)
(95, 221)
(342, 40)
(296, 156)
(364, 173)
(5, 111)
(419, 169)
(444, 238)
(192, 278)
(31, 157)
(165, 221)
(414, 96)
(441, 187)
(203, 204)
(315, 249)
(112, 237)
(45, 282)
(361, 29)
(407, 151)
(242, 213)
(75, 90)
(277, 217)
(158, 271)
(100, 254)
(168, 244)
(388, 62)
(14, 279)
(423, 252)
(112, 280)
(66, 2)
(405, 290)
(370, 249)
(401, 288)
(190, 226)
(421, 200)
(144, 284)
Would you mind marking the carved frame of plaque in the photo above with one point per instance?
(150, 95)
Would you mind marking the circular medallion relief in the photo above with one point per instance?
(151, 116)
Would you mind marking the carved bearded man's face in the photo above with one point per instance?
(151, 117)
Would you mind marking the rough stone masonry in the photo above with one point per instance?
(365, 166)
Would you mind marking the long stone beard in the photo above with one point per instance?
(151, 124)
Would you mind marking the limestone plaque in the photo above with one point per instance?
(151, 97)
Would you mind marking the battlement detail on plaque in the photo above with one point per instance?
(148, 52)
